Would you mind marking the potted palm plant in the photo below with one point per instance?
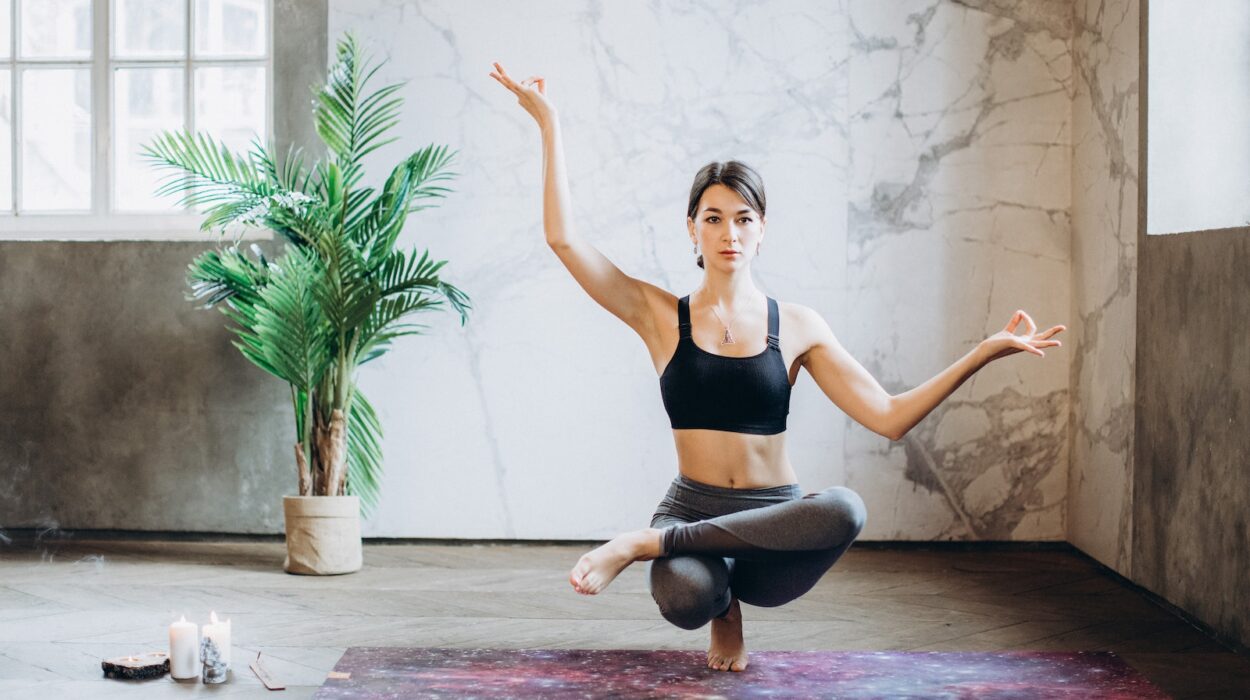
(333, 300)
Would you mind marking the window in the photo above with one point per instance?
(1198, 112)
(84, 84)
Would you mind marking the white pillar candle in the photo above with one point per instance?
(219, 632)
(184, 649)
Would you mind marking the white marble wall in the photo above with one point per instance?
(916, 157)
(959, 131)
(1104, 289)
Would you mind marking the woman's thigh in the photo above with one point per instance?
(778, 581)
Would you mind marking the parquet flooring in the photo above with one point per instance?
(66, 604)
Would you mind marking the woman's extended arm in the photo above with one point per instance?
(861, 397)
(620, 294)
(910, 407)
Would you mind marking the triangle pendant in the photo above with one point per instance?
(728, 339)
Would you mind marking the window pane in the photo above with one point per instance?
(230, 28)
(148, 101)
(230, 104)
(55, 28)
(1198, 147)
(5, 47)
(56, 139)
(6, 142)
(149, 28)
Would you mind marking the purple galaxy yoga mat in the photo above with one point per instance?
(400, 672)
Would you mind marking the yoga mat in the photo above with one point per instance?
(395, 672)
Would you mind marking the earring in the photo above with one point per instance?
(757, 248)
(696, 248)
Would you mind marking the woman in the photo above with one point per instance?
(734, 525)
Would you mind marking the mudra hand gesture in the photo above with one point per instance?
(1006, 342)
(531, 94)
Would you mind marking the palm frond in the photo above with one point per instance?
(364, 453)
(227, 274)
(350, 122)
(412, 179)
(233, 188)
(290, 325)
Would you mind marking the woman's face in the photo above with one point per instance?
(725, 222)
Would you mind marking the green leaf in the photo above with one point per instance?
(364, 454)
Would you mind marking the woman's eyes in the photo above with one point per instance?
(709, 219)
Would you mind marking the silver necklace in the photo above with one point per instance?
(728, 339)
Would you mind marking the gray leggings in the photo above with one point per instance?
(765, 547)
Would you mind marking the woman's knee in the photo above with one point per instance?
(847, 506)
(688, 592)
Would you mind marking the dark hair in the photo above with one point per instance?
(735, 175)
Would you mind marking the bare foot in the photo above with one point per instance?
(596, 569)
(728, 652)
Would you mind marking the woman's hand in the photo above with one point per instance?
(531, 94)
(1006, 342)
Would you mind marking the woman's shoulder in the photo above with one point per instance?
(801, 324)
(800, 313)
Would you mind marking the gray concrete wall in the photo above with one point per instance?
(124, 405)
(1191, 491)
(301, 51)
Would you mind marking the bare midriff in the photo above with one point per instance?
(733, 460)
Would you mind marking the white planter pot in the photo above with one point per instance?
(322, 534)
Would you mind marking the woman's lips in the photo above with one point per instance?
(729, 253)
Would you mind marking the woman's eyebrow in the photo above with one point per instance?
(740, 211)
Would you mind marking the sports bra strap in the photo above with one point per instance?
(683, 316)
(774, 323)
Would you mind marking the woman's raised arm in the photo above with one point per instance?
(620, 294)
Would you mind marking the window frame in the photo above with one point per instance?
(102, 222)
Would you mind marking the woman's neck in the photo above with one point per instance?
(728, 292)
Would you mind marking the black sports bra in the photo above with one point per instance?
(717, 392)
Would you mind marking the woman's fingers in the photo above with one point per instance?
(502, 76)
(1032, 327)
(537, 81)
(503, 81)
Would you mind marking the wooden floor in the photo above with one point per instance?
(64, 605)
